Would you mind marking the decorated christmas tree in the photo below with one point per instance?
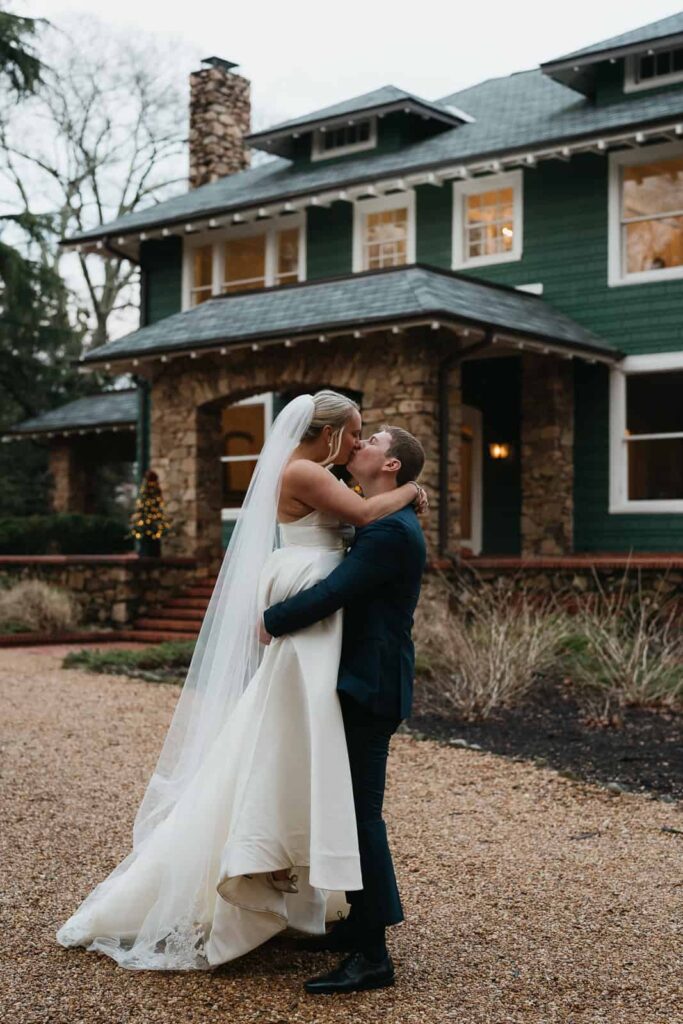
(149, 522)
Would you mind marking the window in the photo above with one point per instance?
(646, 434)
(646, 215)
(648, 70)
(244, 258)
(202, 274)
(245, 263)
(384, 231)
(244, 427)
(487, 220)
(345, 138)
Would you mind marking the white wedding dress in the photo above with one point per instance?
(273, 791)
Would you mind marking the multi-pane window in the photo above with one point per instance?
(202, 274)
(246, 259)
(245, 263)
(489, 226)
(646, 214)
(654, 436)
(287, 256)
(487, 219)
(244, 427)
(647, 70)
(652, 215)
(345, 138)
(385, 243)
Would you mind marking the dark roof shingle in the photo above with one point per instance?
(356, 301)
(109, 408)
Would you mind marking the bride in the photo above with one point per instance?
(247, 825)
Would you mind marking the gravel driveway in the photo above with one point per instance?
(529, 897)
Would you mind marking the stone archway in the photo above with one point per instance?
(395, 374)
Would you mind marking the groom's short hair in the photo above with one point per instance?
(408, 450)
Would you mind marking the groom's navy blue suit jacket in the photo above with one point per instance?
(377, 585)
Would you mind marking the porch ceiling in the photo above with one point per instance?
(399, 296)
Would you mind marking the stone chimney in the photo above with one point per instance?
(220, 117)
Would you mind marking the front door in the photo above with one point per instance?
(470, 479)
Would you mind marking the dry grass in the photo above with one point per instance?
(529, 898)
(37, 607)
(627, 649)
(483, 646)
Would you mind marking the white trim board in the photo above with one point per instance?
(392, 201)
(616, 276)
(487, 183)
(619, 502)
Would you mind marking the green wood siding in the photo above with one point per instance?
(161, 264)
(609, 85)
(594, 528)
(329, 241)
(394, 131)
(494, 386)
(565, 248)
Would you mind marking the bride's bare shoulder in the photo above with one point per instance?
(302, 470)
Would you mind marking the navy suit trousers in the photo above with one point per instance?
(367, 737)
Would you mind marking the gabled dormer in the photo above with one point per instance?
(382, 120)
(646, 59)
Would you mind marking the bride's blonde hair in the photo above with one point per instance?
(330, 409)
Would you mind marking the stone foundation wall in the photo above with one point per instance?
(112, 591)
(547, 455)
(396, 375)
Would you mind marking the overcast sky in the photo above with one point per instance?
(301, 55)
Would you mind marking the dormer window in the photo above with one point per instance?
(345, 138)
(651, 69)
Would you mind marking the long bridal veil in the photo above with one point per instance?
(226, 657)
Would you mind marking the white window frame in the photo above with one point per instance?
(219, 236)
(392, 201)
(319, 153)
(631, 82)
(487, 183)
(619, 502)
(616, 274)
(231, 514)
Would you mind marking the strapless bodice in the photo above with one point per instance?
(316, 530)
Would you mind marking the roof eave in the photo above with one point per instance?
(304, 127)
(612, 53)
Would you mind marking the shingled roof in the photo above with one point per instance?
(397, 295)
(380, 101)
(656, 32)
(512, 115)
(107, 409)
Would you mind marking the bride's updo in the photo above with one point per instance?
(330, 409)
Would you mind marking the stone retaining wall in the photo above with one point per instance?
(112, 590)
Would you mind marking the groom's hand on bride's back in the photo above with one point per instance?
(263, 634)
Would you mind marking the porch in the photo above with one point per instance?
(482, 374)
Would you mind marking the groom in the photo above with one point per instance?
(378, 585)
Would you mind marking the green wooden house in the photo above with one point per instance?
(500, 270)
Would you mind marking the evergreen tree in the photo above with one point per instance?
(149, 520)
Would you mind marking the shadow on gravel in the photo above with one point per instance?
(643, 754)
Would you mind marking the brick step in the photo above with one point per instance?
(166, 625)
(192, 614)
(152, 636)
(187, 602)
(198, 591)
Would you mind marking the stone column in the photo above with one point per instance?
(68, 478)
(547, 455)
(220, 117)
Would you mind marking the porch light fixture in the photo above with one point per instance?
(500, 450)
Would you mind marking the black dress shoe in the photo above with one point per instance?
(355, 974)
(341, 938)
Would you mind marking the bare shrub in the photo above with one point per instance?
(627, 650)
(36, 606)
(482, 646)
